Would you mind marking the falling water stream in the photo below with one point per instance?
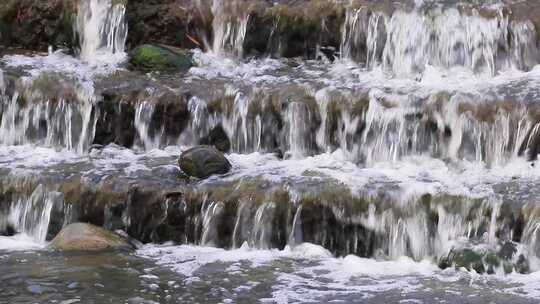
(102, 28)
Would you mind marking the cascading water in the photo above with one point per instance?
(32, 216)
(210, 214)
(33, 115)
(229, 28)
(101, 28)
(143, 117)
(405, 43)
(51, 110)
(418, 145)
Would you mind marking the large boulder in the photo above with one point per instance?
(86, 237)
(150, 57)
(203, 161)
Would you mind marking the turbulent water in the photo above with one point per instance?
(358, 177)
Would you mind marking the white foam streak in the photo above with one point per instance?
(405, 43)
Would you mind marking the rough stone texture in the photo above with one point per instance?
(36, 25)
(203, 161)
(115, 121)
(171, 115)
(86, 237)
(170, 22)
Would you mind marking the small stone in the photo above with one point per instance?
(71, 301)
(38, 289)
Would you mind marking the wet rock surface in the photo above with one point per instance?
(86, 237)
(203, 161)
(36, 25)
(279, 28)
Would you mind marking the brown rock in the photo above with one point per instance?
(86, 237)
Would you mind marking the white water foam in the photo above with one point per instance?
(414, 175)
(19, 242)
(318, 275)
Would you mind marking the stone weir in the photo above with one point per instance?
(152, 201)
(284, 194)
(294, 120)
(309, 29)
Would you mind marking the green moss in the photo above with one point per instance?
(469, 259)
(159, 58)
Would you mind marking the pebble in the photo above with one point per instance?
(38, 289)
(71, 301)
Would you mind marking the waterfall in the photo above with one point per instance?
(380, 127)
(299, 120)
(143, 118)
(31, 216)
(295, 237)
(405, 43)
(244, 127)
(210, 212)
(262, 226)
(490, 137)
(102, 28)
(229, 27)
(243, 218)
(35, 115)
(243, 131)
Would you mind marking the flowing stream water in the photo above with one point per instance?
(402, 168)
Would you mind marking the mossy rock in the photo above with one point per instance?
(149, 57)
(465, 258)
(484, 261)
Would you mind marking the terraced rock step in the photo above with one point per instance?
(492, 126)
(280, 28)
(154, 204)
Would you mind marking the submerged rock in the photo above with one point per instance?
(485, 261)
(149, 57)
(465, 258)
(86, 237)
(203, 161)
